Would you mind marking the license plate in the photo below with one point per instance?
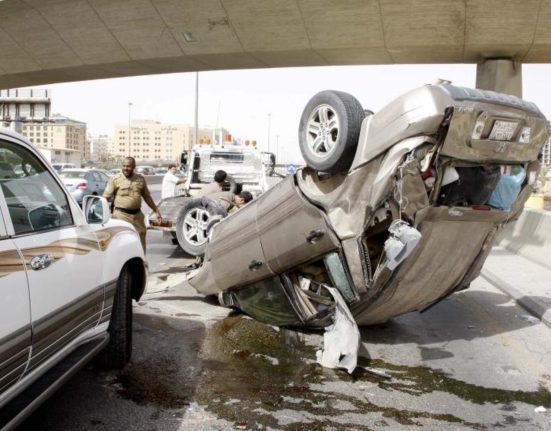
(503, 131)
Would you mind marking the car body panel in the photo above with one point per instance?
(426, 164)
(291, 229)
(15, 331)
(237, 254)
(54, 322)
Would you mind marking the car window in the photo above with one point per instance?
(35, 200)
(72, 174)
(104, 177)
(96, 176)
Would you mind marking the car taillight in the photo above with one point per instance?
(80, 186)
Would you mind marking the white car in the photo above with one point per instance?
(67, 280)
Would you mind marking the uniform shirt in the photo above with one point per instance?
(210, 188)
(128, 191)
(168, 188)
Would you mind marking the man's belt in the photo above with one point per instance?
(128, 211)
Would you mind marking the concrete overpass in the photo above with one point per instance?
(47, 41)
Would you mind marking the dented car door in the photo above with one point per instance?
(291, 229)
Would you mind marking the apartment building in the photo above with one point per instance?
(148, 140)
(28, 111)
(58, 132)
(99, 147)
(546, 153)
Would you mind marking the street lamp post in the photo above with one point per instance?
(196, 108)
(129, 119)
(269, 125)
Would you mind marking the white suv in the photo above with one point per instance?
(67, 279)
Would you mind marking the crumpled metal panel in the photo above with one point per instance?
(446, 251)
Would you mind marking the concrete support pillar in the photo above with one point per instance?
(501, 75)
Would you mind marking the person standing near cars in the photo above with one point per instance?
(170, 181)
(216, 186)
(127, 190)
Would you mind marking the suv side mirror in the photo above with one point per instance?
(96, 209)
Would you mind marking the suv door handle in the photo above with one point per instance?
(41, 261)
(314, 235)
(255, 265)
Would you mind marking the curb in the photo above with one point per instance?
(535, 308)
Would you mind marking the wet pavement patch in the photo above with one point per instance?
(258, 377)
(422, 380)
(164, 368)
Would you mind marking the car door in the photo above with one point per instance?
(62, 259)
(94, 182)
(235, 253)
(292, 230)
(15, 313)
(103, 182)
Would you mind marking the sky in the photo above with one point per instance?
(248, 103)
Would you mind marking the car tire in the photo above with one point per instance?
(192, 227)
(329, 130)
(117, 353)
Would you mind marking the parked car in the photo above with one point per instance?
(82, 182)
(145, 170)
(113, 172)
(67, 280)
(60, 166)
(395, 211)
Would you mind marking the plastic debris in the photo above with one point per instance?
(377, 372)
(540, 409)
(341, 340)
(529, 318)
(402, 241)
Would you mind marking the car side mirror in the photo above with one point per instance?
(96, 209)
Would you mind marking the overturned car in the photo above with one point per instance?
(395, 211)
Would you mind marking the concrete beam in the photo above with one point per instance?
(501, 75)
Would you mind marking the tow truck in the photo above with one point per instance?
(186, 217)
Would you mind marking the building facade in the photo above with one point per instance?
(58, 132)
(24, 104)
(546, 153)
(155, 142)
(27, 111)
(99, 148)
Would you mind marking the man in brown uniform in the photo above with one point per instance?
(127, 189)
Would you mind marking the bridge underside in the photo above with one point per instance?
(47, 41)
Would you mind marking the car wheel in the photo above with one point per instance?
(329, 130)
(117, 353)
(192, 227)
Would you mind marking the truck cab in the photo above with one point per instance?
(243, 163)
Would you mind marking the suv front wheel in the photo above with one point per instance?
(117, 353)
(329, 130)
